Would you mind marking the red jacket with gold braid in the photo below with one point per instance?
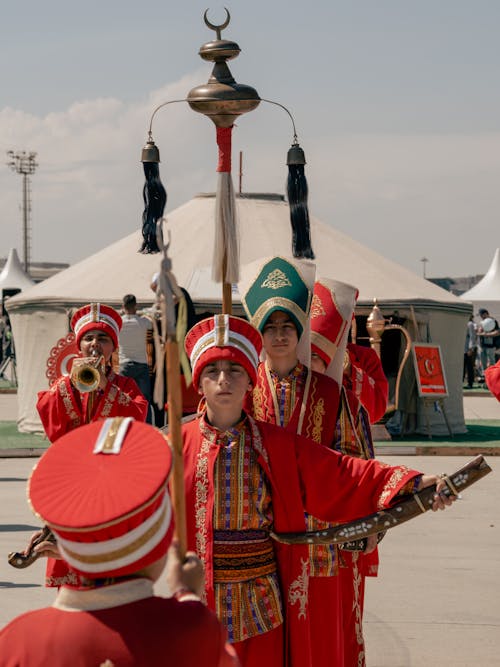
(303, 476)
(367, 380)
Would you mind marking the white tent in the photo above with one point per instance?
(13, 276)
(486, 293)
(40, 315)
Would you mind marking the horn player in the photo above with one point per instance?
(65, 406)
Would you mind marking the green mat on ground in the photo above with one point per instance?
(10, 438)
(479, 432)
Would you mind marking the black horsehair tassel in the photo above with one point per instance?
(154, 196)
(297, 192)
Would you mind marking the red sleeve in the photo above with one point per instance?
(339, 488)
(368, 381)
(54, 414)
(122, 398)
(492, 377)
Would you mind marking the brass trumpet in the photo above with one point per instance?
(86, 376)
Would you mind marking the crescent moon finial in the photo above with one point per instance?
(217, 28)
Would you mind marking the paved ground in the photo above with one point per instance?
(436, 601)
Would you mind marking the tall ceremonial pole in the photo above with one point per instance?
(223, 100)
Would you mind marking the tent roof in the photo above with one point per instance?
(13, 275)
(264, 225)
(488, 288)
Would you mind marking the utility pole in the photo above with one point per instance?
(424, 261)
(24, 163)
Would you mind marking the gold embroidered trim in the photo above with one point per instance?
(298, 590)
(68, 403)
(276, 280)
(281, 303)
(392, 483)
(201, 499)
(257, 439)
(110, 399)
(317, 309)
(318, 414)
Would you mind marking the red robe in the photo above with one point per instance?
(62, 408)
(123, 624)
(303, 476)
(315, 410)
(354, 439)
(314, 416)
(492, 377)
(367, 380)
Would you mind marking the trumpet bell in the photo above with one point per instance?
(85, 378)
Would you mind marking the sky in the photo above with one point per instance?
(396, 104)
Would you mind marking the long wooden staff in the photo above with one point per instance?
(168, 288)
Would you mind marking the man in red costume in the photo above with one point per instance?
(245, 480)
(365, 377)
(118, 544)
(278, 302)
(64, 407)
(333, 307)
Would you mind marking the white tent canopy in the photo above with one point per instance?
(41, 314)
(486, 293)
(13, 276)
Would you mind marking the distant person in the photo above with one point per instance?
(470, 352)
(488, 330)
(132, 347)
(190, 397)
(112, 518)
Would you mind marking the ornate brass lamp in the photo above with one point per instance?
(377, 325)
(221, 98)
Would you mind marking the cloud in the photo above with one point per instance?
(403, 195)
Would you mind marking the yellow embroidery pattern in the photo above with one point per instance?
(123, 398)
(68, 403)
(298, 590)
(70, 578)
(110, 399)
(393, 482)
(276, 280)
(258, 404)
(356, 582)
(200, 504)
(317, 309)
(318, 414)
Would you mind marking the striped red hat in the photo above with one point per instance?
(223, 337)
(102, 490)
(331, 313)
(96, 316)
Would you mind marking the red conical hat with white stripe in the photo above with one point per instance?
(332, 309)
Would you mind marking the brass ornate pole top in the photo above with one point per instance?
(375, 325)
(222, 99)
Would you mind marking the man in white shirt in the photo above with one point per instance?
(132, 347)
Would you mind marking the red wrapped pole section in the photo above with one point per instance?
(225, 266)
(224, 137)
